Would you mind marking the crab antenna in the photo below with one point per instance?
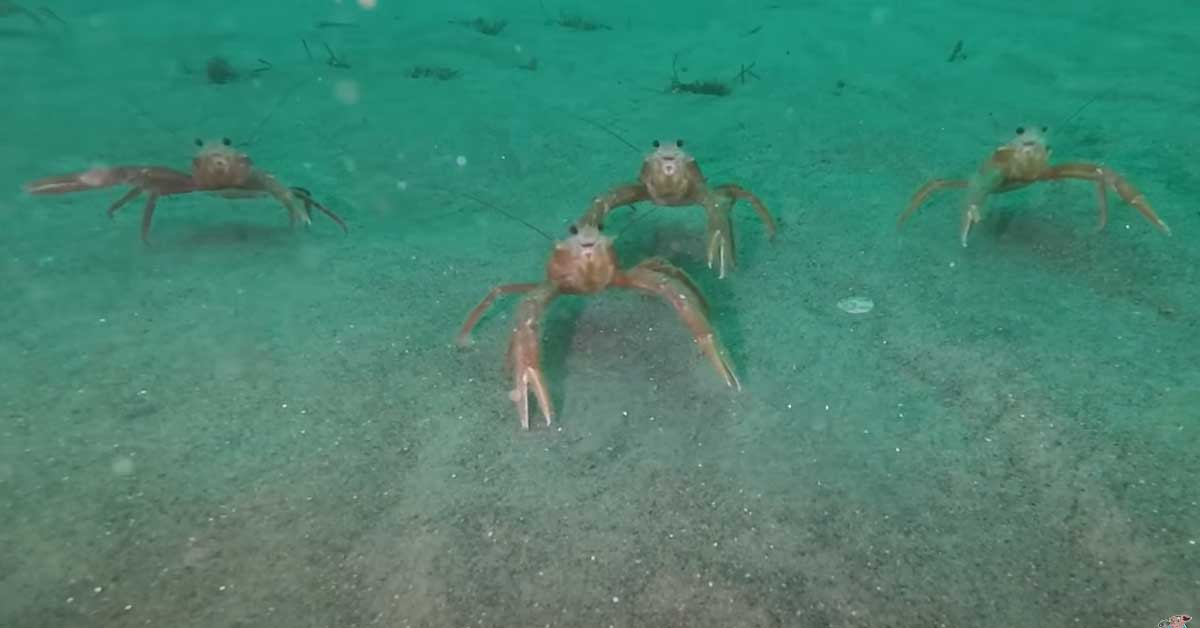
(638, 217)
(606, 130)
(1080, 109)
(504, 213)
(287, 93)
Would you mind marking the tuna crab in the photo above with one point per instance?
(671, 177)
(585, 264)
(217, 169)
(1023, 161)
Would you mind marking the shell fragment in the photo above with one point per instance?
(856, 305)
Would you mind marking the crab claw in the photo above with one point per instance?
(721, 252)
(531, 377)
(524, 355)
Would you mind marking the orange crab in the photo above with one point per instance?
(217, 169)
(671, 177)
(1025, 160)
(586, 263)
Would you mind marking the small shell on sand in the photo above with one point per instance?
(856, 305)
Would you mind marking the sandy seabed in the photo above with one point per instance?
(248, 426)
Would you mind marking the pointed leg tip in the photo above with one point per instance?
(731, 379)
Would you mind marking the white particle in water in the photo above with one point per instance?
(346, 92)
(122, 466)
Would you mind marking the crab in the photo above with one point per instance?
(671, 177)
(217, 169)
(585, 264)
(1023, 161)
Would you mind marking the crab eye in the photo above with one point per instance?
(199, 142)
(573, 229)
(600, 227)
(679, 143)
(1045, 129)
(226, 141)
(1020, 130)
(654, 143)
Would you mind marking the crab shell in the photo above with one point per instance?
(220, 166)
(670, 174)
(1024, 156)
(583, 263)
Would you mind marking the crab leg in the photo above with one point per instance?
(119, 203)
(464, 335)
(980, 187)
(1106, 178)
(663, 267)
(148, 215)
(617, 197)
(310, 202)
(925, 192)
(653, 278)
(91, 180)
(155, 180)
(263, 181)
(524, 354)
(738, 192)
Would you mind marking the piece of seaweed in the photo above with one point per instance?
(333, 60)
(436, 73)
(486, 27)
(703, 88)
(957, 54)
(746, 72)
(12, 8)
(571, 21)
(220, 71)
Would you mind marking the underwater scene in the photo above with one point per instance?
(758, 313)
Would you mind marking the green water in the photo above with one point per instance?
(248, 425)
